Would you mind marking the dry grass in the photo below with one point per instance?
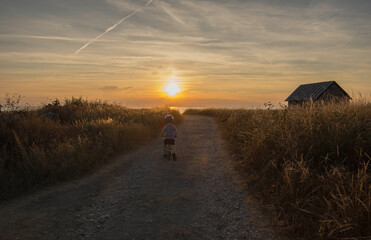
(60, 142)
(312, 164)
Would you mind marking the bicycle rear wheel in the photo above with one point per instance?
(168, 152)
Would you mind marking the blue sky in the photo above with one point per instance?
(221, 53)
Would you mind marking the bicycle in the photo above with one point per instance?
(170, 152)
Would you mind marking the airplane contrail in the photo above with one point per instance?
(113, 27)
(172, 15)
(149, 2)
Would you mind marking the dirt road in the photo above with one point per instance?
(142, 196)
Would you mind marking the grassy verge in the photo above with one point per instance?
(60, 142)
(311, 164)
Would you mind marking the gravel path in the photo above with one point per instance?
(142, 196)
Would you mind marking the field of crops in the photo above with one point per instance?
(310, 164)
(64, 141)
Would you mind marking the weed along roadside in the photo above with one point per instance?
(63, 141)
(311, 164)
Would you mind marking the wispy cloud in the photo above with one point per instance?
(111, 28)
(58, 38)
(114, 88)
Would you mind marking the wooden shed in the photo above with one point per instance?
(321, 91)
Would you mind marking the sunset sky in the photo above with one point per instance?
(220, 53)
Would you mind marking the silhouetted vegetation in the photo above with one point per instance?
(310, 163)
(63, 141)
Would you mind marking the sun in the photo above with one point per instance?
(172, 89)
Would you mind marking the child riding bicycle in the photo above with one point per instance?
(169, 132)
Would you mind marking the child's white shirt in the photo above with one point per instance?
(169, 131)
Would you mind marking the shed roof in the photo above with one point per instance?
(310, 91)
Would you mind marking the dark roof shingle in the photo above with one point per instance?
(309, 91)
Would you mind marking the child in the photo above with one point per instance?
(169, 132)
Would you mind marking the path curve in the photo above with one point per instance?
(142, 196)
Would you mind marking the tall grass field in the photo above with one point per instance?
(63, 141)
(310, 164)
